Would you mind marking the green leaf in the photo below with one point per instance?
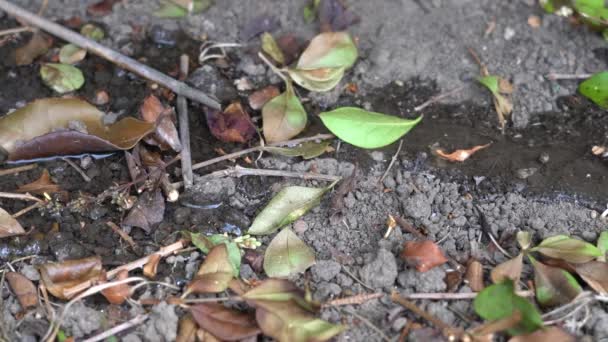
(491, 82)
(215, 272)
(307, 150)
(92, 31)
(272, 49)
(366, 129)
(568, 249)
(595, 88)
(500, 301)
(71, 54)
(62, 78)
(170, 10)
(554, 286)
(287, 255)
(602, 245)
(310, 11)
(234, 255)
(287, 206)
(313, 81)
(283, 116)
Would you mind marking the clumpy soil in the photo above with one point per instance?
(539, 176)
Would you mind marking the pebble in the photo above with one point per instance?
(525, 172)
(399, 323)
(543, 158)
(162, 36)
(509, 33)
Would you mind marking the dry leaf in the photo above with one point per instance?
(9, 226)
(63, 275)
(24, 289)
(41, 185)
(187, 329)
(459, 155)
(215, 272)
(38, 45)
(510, 269)
(594, 273)
(231, 125)
(423, 255)
(153, 111)
(475, 276)
(119, 293)
(101, 8)
(151, 266)
(148, 211)
(452, 280)
(258, 99)
(224, 323)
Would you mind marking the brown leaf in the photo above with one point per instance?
(423, 255)
(231, 125)
(24, 289)
(9, 226)
(187, 329)
(151, 266)
(452, 280)
(38, 45)
(102, 8)
(554, 286)
(510, 269)
(475, 276)
(548, 334)
(255, 259)
(291, 47)
(148, 211)
(153, 111)
(594, 273)
(60, 276)
(459, 155)
(41, 185)
(215, 273)
(119, 293)
(258, 98)
(224, 323)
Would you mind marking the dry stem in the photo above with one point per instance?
(393, 159)
(184, 128)
(18, 169)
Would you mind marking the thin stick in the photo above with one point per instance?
(210, 300)
(27, 210)
(239, 171)
(369, 324)
(123, 235)
(78, 169)
(456, 296)
(25, 197)
(555, 76)
(393, 159)
(276, 70)
(14, 30)
(354, 300)
(164, 251)
(121, 60)
(184, 127)
(502, 250)
(437, 98)
(139, 319)
(408, 227)
(18, 169)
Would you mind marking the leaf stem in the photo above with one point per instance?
(272, 67)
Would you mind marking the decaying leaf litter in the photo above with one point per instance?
(336, 253)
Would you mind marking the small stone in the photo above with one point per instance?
(325, 270)
(327, 290)
(243, 84)
(377, 156)
(258, 98)
(382, 271)
(509, 33)
(162, 36)
(399, 323)
(460, 221)
(86, 162)
(30, 272)
(300, 226)
(101, 97)
(543, 158)
(525, 172)
(534, 21)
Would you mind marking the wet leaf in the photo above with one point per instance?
(287, 255)
(186, 331)
(260, 97)
(334, 16)
(594, 273)
(306, 150)
(366, 129)
(37, 46)
(148, 211)
(71, 54)
(153, 111)
(283, 116)
(60, 276)
(285, 207)
(118, 294)
(568, 249)
(459, 155)
(500, 88)
(92, 31)
(223, 323)
(40, 186)
(271, 48)
(510, 269)
(423, 255)
(215, 273)
(549, 334)
(231, 125)
(475, 276)
(553, 285)
(499, 301)
(23, 288)
(602, 245)
(62, 78)
(9, 226)
(101, 8)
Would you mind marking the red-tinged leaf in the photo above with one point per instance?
(41, 185)
(423, 255)
(510, 269)
(549, 334)
(258, 98)
(334, 16)
(148, 211)
(38, 45)
(9, 226)
(215, 273)
(24, 289)
(553, 285)
(594, 273)
(119, 293)
(224, 323)
(102, 8)
(153, 111)
(459, 155)
(231, 125)
(291, 47)
(63, 275)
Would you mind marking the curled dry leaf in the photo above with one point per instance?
(223, 323)
(548, 334)
(37, 46)
(510, 269)
(271, 48)
(258, 98)
(553, 285)
(151, 266)
(24, 289)
(119, 293)
(459, 155)
(474, 276)
(231, 125)
(148, 211)
(287, 255)
(60, 276)
(423, 255)
(9, 226)
(153, 111)
(594, 273)
(92, 31)
(283, 117)
(215, 273)
(41, 185)
(58, 126)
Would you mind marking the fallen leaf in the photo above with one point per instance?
(366, 129)
(215, 273)
(602, 245)
(285, 207)
(151, 266)
(231, 125)
(553, 285)
(206, 244)
(186, 332)
(92, 31)
(223, 323)
(284, 116)
(153, 111)
(118, 294)
(287, 255)
(474, 276)
(423, 255)
(9, 226)
(274, 289)
(271, 48)
(71, 54)
(595, 88)
(306, 150)
(510, 269)
(58, 277)
(23, 288)
(566, 248)
(40, 186)
(259, 25)
(62, 78)
(500, 89)
(101, 8)
(548, 334)
(459, 155)
(334, 16)
(594, 273)
(291, 46)
(37, 46)
(260, 97)
(452, 280)
(180, 8)
(148, 211)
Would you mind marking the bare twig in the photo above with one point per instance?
(456, 296)
(555, 76)
(18, 169)
(121, 60)
(393, 159)
(184, 127)
(27, 209)
(164, 251)
(354, 300)
(272, 67)
(15, 30)
(437, 98)
(239, 171)
(25, 197)
(408, 227)
(123, 235)
(139, 319)
(78, 169)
